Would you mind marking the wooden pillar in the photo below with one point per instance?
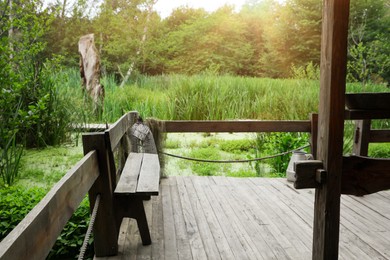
(331, 126)
(361, 137)
(105, 228)
(314, 134)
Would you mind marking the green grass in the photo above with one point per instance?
(44, 167)
(206, 97)
(379, 150)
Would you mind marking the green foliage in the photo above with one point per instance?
(369, 37)
(202, 168)
(9, 161)
(45, 167)
(275, 143)
(72, 236)
(15, 203)
(241, 174)
(203, 97)
(236, 146)
(379, 150)
(310, 71)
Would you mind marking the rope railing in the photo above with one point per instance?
(233, 161)
(83, 248)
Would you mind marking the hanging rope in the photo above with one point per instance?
(83, 248)
(233, 161)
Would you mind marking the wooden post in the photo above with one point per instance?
(314, 134)
(105, 228)
(361, 137)
(331, 126)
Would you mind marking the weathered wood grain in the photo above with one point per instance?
(237, 209)
(105, 228)
(331, 127)
(128, 180)
(117, 130)
(37, 232)
(149, 177)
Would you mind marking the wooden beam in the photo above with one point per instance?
(362, 175)
(305, 174)
(36, 234)
(366, 114)
(361, 137)
(237, 126)
(314, 134)
(331, 127)
(379, 136)
(106, 230)
(117, 130)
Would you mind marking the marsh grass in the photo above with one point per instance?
(205, 97)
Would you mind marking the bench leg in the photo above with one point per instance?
(133, 207)
(139, 214)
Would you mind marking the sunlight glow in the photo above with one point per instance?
(165, 7)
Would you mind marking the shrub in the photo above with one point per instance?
(16, 202)
(72, 236)
(276, 143)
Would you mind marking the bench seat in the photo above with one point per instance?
(139, 180)
(140, 175)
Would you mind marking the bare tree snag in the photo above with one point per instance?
(90, 71)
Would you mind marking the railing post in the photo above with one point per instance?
(314, 134)
(105, 228)
(361, 137)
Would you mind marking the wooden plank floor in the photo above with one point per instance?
(250, 218)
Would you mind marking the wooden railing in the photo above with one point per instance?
(94, 174)
(97, 173)
(37, 232)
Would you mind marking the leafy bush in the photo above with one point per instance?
(72, 236)
(16, 202)
(276, 143)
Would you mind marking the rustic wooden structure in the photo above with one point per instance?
(90, 70)
(199, 217)
(330, 174)
(139, 180)
(333, 175)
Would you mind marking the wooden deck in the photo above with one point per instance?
(250, 218)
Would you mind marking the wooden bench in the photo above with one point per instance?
(139, 180)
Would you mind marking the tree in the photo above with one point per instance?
(369, 41)
(213, 42)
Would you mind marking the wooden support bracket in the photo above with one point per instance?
(309, 174)
(360, 175)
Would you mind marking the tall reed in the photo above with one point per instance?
(209, 97)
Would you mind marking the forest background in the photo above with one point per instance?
(259, 62)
